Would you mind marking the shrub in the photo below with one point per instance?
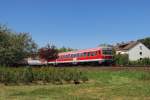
(27, 76)
(77, 77)
(67, 75)
(143, 62)
(121, 59)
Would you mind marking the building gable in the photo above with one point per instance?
(139, 51)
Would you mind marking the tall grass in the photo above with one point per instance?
(41, 75)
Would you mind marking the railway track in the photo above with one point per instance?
(110, 68)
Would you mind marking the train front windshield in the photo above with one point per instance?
(107, 52)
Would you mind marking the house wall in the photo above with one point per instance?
(121, 52)
(134, 53)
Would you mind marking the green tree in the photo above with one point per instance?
(64, 49)
(105, 45)
(145, 41)
(14, 47)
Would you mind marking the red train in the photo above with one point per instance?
(99, 55)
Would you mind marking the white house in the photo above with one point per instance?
(135, 50)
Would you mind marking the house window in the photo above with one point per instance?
(140, 47)
(140, 58)
(141, 53)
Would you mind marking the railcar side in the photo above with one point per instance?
(100, 55)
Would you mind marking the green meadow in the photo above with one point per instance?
(101, 85)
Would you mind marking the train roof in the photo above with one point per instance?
(84, 50)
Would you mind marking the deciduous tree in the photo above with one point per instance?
(14, 47)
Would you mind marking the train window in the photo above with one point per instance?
(68, 55)
(92, 53)
(88, 53)
(77, 55)
(85, 54)
(71, 55)
(95, 53)
(82, 54)
(74, 55)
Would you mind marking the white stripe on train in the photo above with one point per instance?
(76, 61)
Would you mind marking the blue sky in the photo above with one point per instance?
(78, 23)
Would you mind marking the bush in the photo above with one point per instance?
(27, 75)
(143, 62)
(121, 59)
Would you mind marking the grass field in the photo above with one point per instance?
(104, 84)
